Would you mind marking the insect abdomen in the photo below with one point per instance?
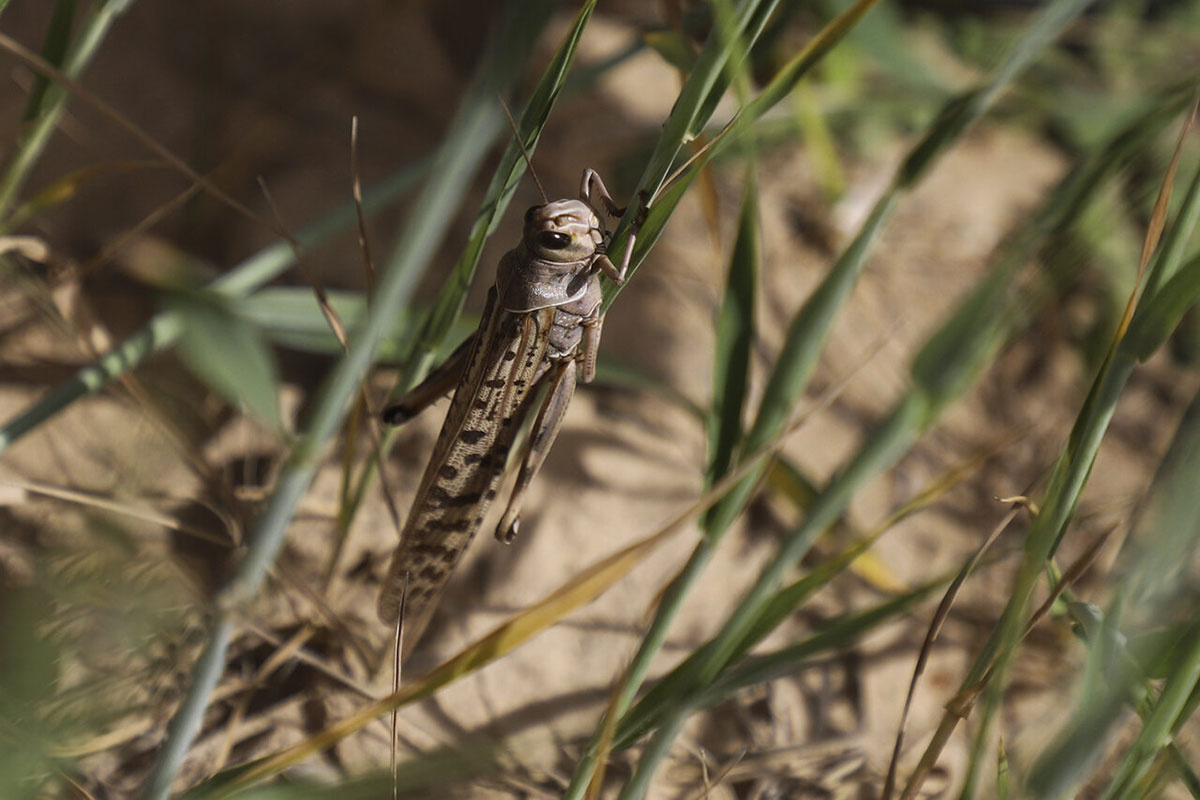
(468, 461)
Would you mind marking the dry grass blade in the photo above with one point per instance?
(40, 65)
(338, 327)
(331, 316)
(1158, 218)
(717, 778)
(581, 590)
(935, 626)
(356, 190)
(92, 500)
(397, 677)
(959, 707)
(308, 659)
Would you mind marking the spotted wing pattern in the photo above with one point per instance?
(468, 460)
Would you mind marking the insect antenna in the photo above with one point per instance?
(521, 144)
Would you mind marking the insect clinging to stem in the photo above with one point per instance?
(540, 326)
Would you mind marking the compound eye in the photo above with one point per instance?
(553, 240)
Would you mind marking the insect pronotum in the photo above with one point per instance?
(541, 325)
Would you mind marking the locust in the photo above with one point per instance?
(540, 328)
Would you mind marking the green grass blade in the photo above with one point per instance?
(686, 108)
(228, 352)
(1158, 316)
(839, 634)
(1168, 536)
(471, 133)
(54, 49)
(735, 337)
(918, 410)
(688, 117)
(1062, 495)
(780, 86)
(164, 328)
(1170, 712)
(94, 29)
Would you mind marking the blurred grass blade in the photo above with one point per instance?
(290, 316)
(673, 47)
(228, 353)
(688, 116)
(1062, 496)
(92, 33)
(164, 328)
(1157, 317)
(1171, 710)
(838, 635)
(807, 333)
(504, 183)
(462, 150)
(735, 336)
(1167, 538)
(664, 199)
(54, 49)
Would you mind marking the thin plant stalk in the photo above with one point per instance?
(474, 127)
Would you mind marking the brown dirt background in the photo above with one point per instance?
(256, 88)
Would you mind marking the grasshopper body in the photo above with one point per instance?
(541, 324)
